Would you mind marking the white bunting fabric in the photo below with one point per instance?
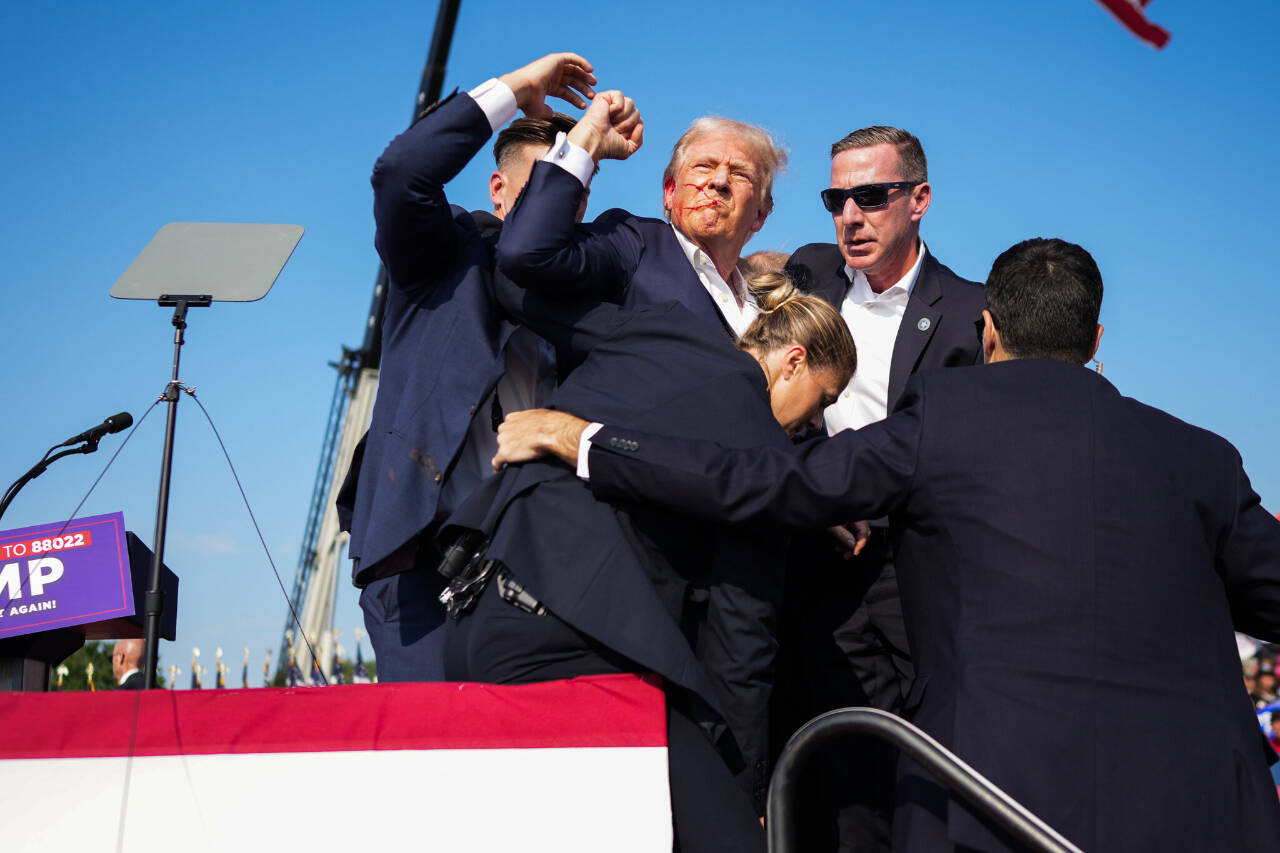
(577, 765)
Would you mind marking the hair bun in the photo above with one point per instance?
(772, 290)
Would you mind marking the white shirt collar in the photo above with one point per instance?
(700, 259)
(860, 288)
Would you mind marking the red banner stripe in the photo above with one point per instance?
(602, 711)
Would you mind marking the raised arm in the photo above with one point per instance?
(415, 229)
(541, 247)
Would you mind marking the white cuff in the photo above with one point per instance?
(497, 100)
(584, 450)
(574, 159)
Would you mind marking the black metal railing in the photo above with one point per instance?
(935, 758)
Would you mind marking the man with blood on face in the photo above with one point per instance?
(717, 193)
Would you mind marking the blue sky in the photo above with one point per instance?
(1039, 119)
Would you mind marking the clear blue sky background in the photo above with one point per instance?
(1043, 118)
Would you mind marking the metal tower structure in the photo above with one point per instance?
(315, 583)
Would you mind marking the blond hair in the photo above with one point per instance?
(768, 155)
(789, 316)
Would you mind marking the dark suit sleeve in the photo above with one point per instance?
(1249, 562)
(855, 474)
(416, 233)
(543, 250)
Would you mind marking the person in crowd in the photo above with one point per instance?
(582, 586)
(1265, 691)
(1048, 531)
(451, 361)
(126, 664)
(844, 643)
(763, 261)
(717, 192)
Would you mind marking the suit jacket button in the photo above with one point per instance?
(438, 477)
(613, 442)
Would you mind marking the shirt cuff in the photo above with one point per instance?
(574, 159)
(497, 101)
(584, 450)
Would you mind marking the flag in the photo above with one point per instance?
(294, 676)
(1131, 14)
(195, 677)
(361, 674)
(335, 676)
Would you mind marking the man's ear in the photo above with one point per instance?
(497, 183)
(761, 216)
(668, 195)
(1097, 342)
(921, 195)
(990, 337)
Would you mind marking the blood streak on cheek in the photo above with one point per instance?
(710, 202)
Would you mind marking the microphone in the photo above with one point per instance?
(115, 423)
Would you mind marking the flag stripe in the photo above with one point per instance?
(603, 711)
(1133, 18)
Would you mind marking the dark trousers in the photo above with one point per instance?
(843, 644)
(405, 621)
(499, 643)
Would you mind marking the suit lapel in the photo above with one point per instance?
(918, 325)
(684, 286)
(834, 286)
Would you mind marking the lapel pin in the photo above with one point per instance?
(923, 325)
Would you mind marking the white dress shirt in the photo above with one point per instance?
(873, 318)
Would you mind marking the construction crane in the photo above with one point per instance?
(315, 584)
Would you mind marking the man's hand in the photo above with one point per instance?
(611, 129)
(535, 433)
(850, 538)
(559, 75)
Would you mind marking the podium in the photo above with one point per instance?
(28, 658)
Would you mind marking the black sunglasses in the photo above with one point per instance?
(867, 196)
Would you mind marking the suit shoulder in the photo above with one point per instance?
(1187, 434)
(815, 255)
(812, 265)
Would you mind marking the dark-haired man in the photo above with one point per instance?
(451, 361)
(1048, 531)
(844, 642)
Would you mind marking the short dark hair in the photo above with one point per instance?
(529, 131)
(912, 164)
(1044, 296)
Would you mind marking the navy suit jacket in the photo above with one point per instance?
(693, 602)
(937, 329)
(628, 260)
(1072, 563)
(443, 335)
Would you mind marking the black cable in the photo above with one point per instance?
(192, 394)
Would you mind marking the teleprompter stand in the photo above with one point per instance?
(192, 265)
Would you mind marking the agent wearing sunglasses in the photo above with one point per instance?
(906, 311)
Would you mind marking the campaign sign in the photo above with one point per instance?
(64, 574)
